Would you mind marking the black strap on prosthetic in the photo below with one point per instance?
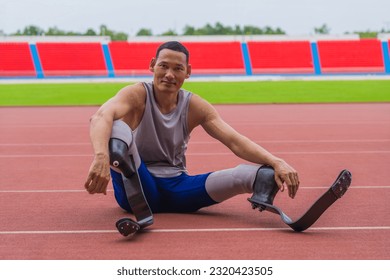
(120, 159)
(336, 191)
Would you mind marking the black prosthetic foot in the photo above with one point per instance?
(127, 226)
(264, 188)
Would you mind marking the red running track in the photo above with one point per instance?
(46, 214)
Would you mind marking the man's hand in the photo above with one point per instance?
(98, 175)
(286, 175)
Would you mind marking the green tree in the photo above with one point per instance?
(170, 32)
(54, 31)
(144, 32)
(238, 30)
(104, 30)
(31, 30)
(324, 29)
(208, 29)
(189, 30)
(90, 32)
(220, 29)
(252, 30)
(279, 31)
(119, 36)
(115, 36)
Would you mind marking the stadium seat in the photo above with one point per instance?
(76, 58)
(351, 56)
(216, 57)
(16, 60)
(281, 57)
(72, 59)
(132, 59)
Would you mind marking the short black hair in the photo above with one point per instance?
(174, 46)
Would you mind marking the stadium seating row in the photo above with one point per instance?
(70, 59)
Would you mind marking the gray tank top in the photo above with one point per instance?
(162, 139)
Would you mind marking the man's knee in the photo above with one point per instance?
(224, 184)
(119, 144)
(121, 131)
(245, 175)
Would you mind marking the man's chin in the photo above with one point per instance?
(167, 87)
(170, 86)
(167, 84)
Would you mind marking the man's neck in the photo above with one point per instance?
(166, 101)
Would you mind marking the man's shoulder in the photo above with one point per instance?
(137, 86)
(200, 112)
(132, 94)
(200, 108)
(134, 89)
(199, 101)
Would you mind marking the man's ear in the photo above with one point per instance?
(188, 71)
(152, 64)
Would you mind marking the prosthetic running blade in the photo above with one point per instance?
(133, 188)
(336, 191)
(139, 206)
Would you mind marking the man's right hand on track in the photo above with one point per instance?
(98, 175)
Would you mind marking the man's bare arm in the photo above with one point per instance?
(124, 104)
(206, 115)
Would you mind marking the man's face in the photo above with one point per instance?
(170, 70)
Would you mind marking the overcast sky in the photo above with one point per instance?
(296, 17)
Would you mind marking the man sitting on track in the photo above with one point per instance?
(155, 120)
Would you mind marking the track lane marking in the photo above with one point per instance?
(210, 142)
(190, 230)
(233, 123)
(211, 154)
(110, 190)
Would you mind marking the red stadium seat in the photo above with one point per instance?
(16, 60)
(205, 57)
(216, 57)
(351, 56)
(132, 58)
(72, 59)
(281, 57)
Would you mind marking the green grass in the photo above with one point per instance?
(57, 94)
(294, 91)
(74, 94)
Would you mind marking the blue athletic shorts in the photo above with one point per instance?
(183, 193)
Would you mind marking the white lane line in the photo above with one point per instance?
(86, 126)
(190, 230)
(311, 141)
(233, 123)
(43, 191)
(110, 190)
(269, 229)
(195, 142)
(46, 156)
(212, 154)
(297, 123)
(56, 232)
(299, 153)
(46, 144)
